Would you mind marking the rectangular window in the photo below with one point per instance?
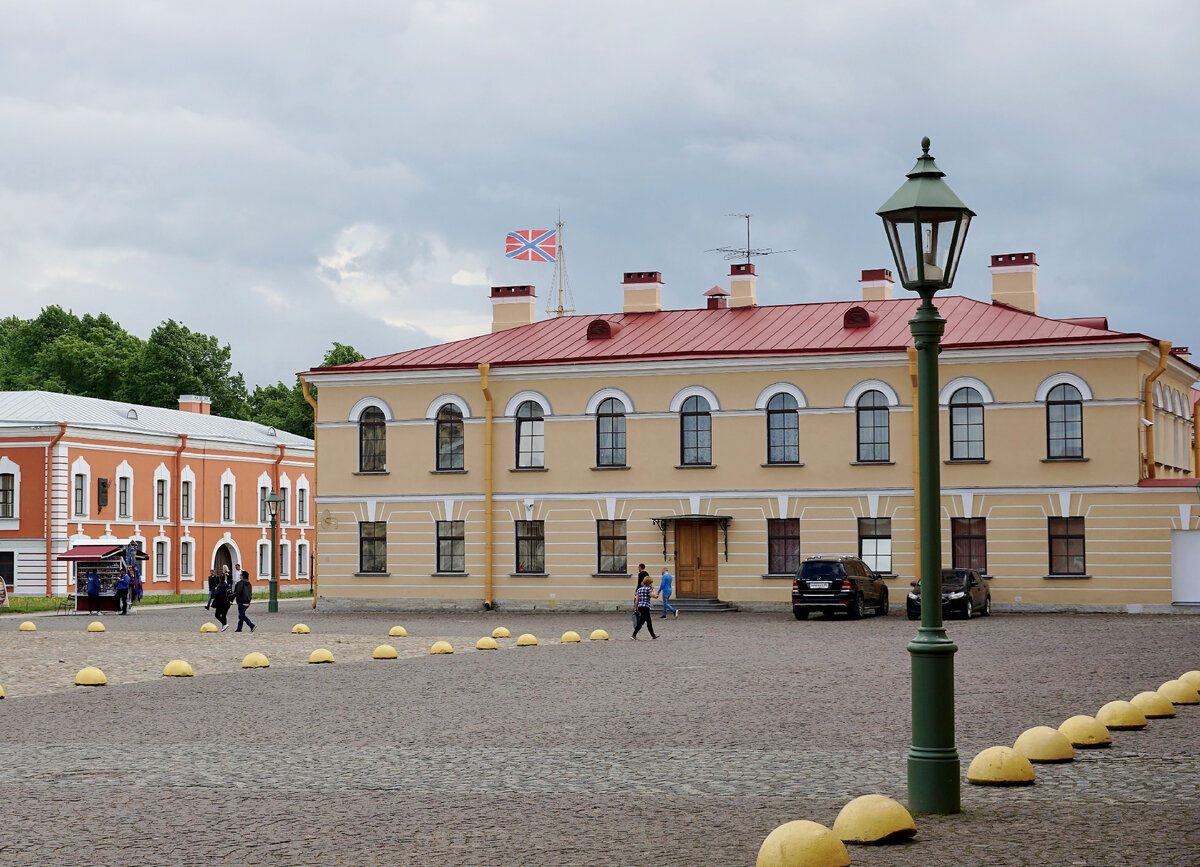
(160, 498)
(185, 500)
(301, 560)
(160, 559)
(783, 546)
(123, 497)
(451, 546)
(263, 516)
(1066, 546)
(185, 558)
(968, 540)
(226, 502)
(7, 495)
(284, 564)
(264, 560)
(8, 569)
(80, 487)
(531, 546)
(302, 505)
(283, 507)
(875, 543)
(611, 556)
(372, 546)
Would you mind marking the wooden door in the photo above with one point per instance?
(696, 559)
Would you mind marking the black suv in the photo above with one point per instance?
(837, 584)
(964, 593)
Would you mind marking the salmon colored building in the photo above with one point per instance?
(80, 476)
(536, 466)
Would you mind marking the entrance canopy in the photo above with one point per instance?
(96, 552)
(665, 521)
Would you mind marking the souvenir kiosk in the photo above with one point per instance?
(108, 561)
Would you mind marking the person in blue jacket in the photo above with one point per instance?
(665, 586)
(93, 592)
(122, 588)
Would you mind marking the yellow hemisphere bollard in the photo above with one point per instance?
(90, 676)
(28, 626)
(1192, 679)
(255, 660)
(486, 643)
(1153, 705)
(441, 647)
(300, 629)
(320, 655)
(209, 627)
(178, 668)
(2, 692)
(1085, 732)
(501, 632)
(569, 636)
(527, 640)
(1121, 716)
(598, 635)
(384, 651)
(1044, 744)
(95, 626)
(1179, 692)
(397, 632)
(1000, 766)
(874, 819)
(802, 844)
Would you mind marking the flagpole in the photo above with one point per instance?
(560, 270)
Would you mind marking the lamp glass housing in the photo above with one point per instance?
(273, 500)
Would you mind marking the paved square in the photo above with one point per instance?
(685, 750)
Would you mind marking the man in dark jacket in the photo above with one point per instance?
(213, 581)
(242, 593)
(93, 592)
(222, 596)
(122, 588)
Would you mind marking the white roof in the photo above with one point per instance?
(45, 407)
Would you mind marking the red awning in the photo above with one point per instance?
(95, 552)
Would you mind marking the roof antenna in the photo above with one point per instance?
(747, 251)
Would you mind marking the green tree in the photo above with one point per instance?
(179, 361)
(285, 408)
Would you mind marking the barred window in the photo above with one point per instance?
(451, 546)
(611, 556)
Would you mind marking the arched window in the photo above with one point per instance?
(871, 418)
(610, 433)
(1064, 422)
(531, 436)
(449, 438)
(372, 441)
(966, 425)
(783, 430)
(695, 432)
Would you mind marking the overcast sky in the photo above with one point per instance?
(289, 174)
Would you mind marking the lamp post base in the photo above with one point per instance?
(273, 599)
(933, 765)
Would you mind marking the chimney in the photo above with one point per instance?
(718, 298)
(741, 285)
(876, 285)
(643, 291)
(1014, 281)
(195, 403)
(513, 306)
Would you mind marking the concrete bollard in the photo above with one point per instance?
(255, 660)
(1121, 716)
(319, 656)
(501, 632)
(1000, 766)
(90, 676)
(1153, 705)
(486, 643)
(398, 632)
(441, 647)
(1179, 692)
(527, 640)
(598, 635)
(872, 819)
(1085, 732)
(178, 668)
(300, 629)
(802, 844)
(384, 651)
(95, 626)
(1044, 744)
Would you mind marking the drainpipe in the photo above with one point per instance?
(1195, 443)
(1164, 351)
(916, 447)
(276, 560)
(313, 490)
(487, 487)
(62, 430)
(177, 529)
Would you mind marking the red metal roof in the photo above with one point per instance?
(790, 329)
(89, 552)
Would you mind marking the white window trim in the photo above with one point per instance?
(866, 385)
(593, 404)
(285, 553)
(263, 482)
(162, 474)
(302, 485)
(166, 575)
(263, 562)
(764, 396)
(683, 394)
(9, 466)
(442, 399)
(364, 403)
(228, 478)
(955, 384)
(301, 559)
(81, 468)
(1043, 390)
(285, 491)
(510, 408)
(124, 471)
(189, 546)
(187, 475)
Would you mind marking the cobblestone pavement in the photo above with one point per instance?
(685, 750)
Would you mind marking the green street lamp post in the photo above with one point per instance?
(926, 226)
(273, 500)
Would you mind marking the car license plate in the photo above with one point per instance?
(818, 585)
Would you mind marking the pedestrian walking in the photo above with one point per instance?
(242, 593)
(642, 575)
(665, 585)
(222, 597)
(93, 592)
(122, 588)
(213, 581)
(642, 607)
(135, 586)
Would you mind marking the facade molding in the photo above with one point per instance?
(1043, 389)
(764, 396)
(520, 397)
(442, 399)
(684, 393)
(593, 404)
(369, 401)
(861, 388)
(958, 382)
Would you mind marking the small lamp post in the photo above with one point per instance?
(926, 226)
(273, 500)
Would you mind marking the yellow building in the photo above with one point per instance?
(536, 466)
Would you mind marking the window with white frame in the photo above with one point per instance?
(185, 559)
(124, 490)
(10, 489)
(286, 493)
(531, 436)
(301, 560)
(79, 495)
(264, 558)
(285, 551)
(875, 543)
(185, 500)
(162, 492)
(228, 497)
(301, 505)
(160, 559)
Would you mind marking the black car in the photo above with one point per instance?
(965, 593)
(832, 584)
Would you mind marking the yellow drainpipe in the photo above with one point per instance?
(916, 455)
(487, 486)
(1195, 441)
(1164, 351)
(313, 493)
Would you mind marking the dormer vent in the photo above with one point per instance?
(718, 298)
(857, 317)
(602, 329)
